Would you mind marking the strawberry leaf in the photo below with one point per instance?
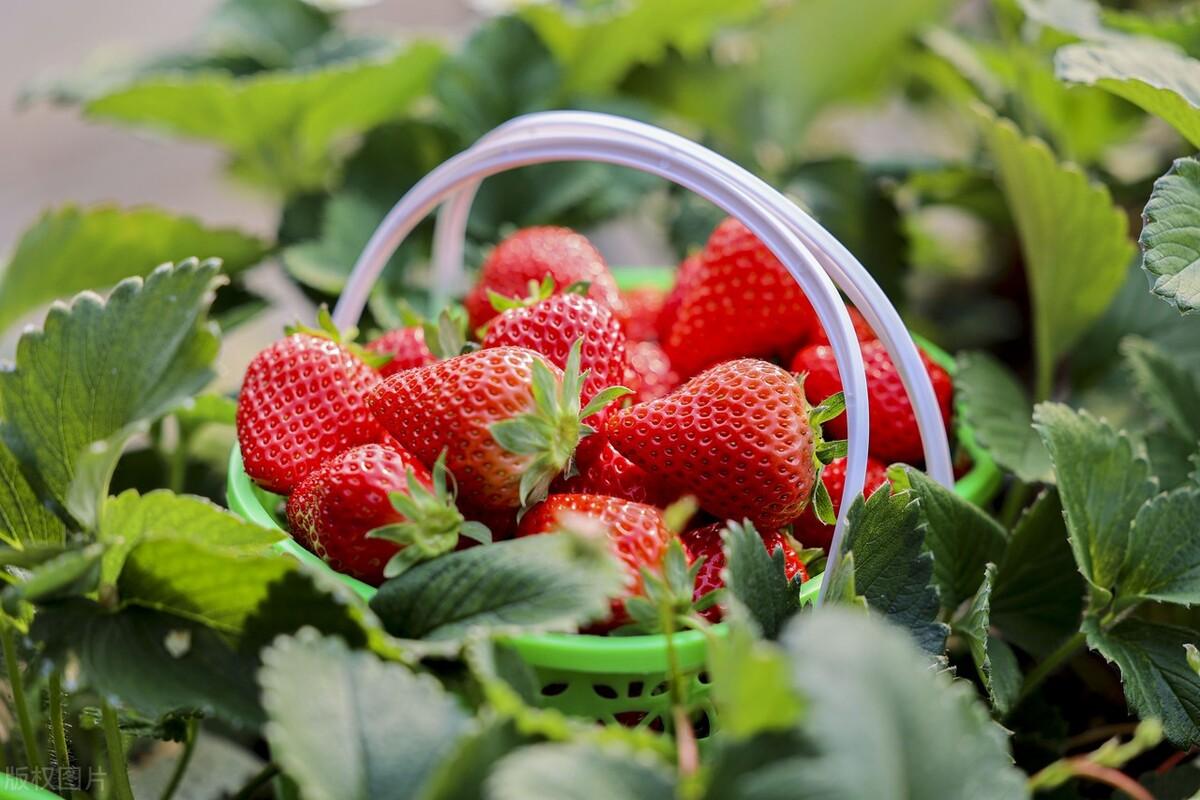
(381, 733)
(279, 127)
(1170, 254)
(1163, 558)
(1167, 387)
(579, 771)
(66, 393)
(892, 568)
(757, 580)
(1000, 415)
(155, 663)
(932, 733)
(751, 680)
(550, 582)
(961, 536)
(994, 659)
(1037, 599)
(1102, 483)
(114, 243)
(1074, 239)
(1159, 683)
(72, 573)
(24, 521)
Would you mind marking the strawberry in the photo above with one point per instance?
(815, 533)
(639, 312)
(607, 472)
(737, 437)
(374, 509)
(303, 401)
(706, 543)
(551, 326)
(636, 531)
(531, 254)
(685, 277)
(650, 375)
(862, 329)
(742, 302)
(508, 420)
(407, 348)
(893, 428)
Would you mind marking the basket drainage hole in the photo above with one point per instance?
(551, 689)
(635, 689)
(605, 691)
(703, 677)
(660, 689)
(700, 725)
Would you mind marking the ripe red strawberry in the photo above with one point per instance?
(407, 348)
(685, 277)
(362, 507)
(553, 325)
(737, 437)
(508, 420)
(303, 401)
(743, 302)
(529, 255)
(862, 329)
(639, 313)
(810, 530)
(893, 429)
(607, 472)
(650, 374)
(706, 542)
(636, 531)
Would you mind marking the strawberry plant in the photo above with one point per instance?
(563, 540)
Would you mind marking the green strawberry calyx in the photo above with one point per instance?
(344, 338)
(824, 452)
(432, 522)
(666, 602)
(551, 432)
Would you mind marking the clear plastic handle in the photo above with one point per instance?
(545, 137)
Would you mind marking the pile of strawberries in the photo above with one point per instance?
(423, 441)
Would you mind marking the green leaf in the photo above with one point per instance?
(462, 775)
(153, 663)
(883, 724)
(1102, 484)
(1163, 559)
(375, 729)
(1170, 254)
(280, 127)
(842, 589)
(271, 32)
(1159, 79)
(1155, 673)
(961, 536)
(536, 583)
(751, 680)
(1074, 238)
(598, 47)
(69, 574)
(24, 521)
(995, 661)
(131, 517)
(70, 249)
(1037, 600)
(579, 772)
(503, 71)
(892, 569)
(1167, 387)
(757, 579)
(1000, 415)
(99, 368)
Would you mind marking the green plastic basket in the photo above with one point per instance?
(14, 788)
(608, 677)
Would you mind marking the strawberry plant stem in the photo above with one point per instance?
(58, 726)
(1050, 664)
(260, 779)
(185, 758)
(685, 738)
(33, 757)
(113, 743)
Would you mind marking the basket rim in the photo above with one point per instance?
(612, 654)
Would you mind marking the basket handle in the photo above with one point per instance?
(713, 179)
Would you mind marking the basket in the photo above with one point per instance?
(624, 678)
